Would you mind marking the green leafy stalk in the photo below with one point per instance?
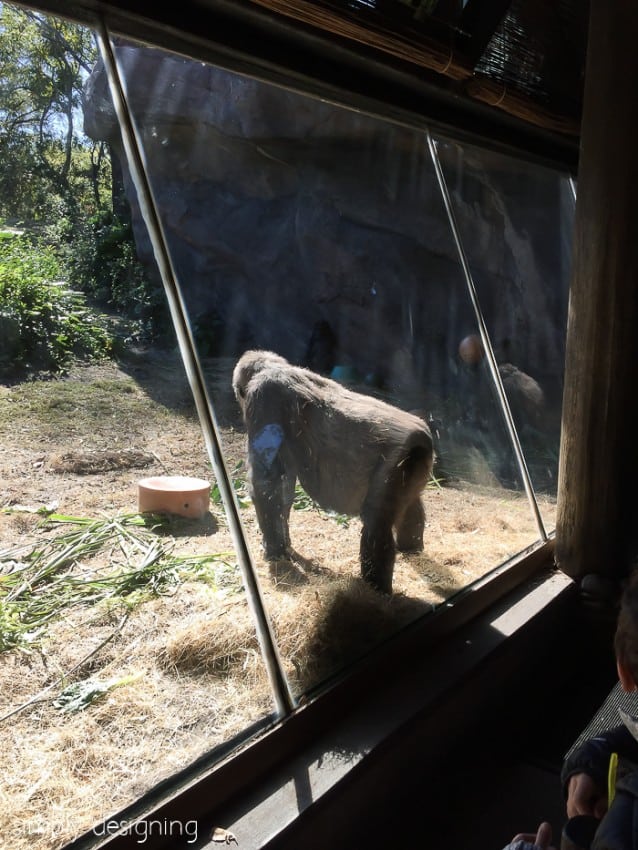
(80, 695)
(37, 588)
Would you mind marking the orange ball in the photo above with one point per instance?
(471, 349)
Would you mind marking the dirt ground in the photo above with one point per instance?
(187, 665)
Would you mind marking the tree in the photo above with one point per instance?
(56, 178)
(45, 159)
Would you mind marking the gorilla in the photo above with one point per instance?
(352, 453)
(525, 396)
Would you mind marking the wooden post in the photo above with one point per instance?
(598, 473)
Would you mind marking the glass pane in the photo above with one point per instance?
(515, 221)
(319, 233)
(126, 648)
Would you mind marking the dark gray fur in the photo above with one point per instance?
(352, 453)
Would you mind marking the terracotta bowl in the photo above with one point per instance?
(174, 494)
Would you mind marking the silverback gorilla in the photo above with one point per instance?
(351, 453)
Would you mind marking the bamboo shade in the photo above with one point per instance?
(532, 67)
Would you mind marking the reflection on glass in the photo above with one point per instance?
(401, 12)
(311, 231)
(127, 650)
(515, 222)
(319, 233)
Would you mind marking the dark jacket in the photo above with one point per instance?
(618, 829)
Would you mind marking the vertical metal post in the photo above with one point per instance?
(148, 206)
(572, 186)
(485, 339)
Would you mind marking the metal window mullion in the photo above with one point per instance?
(572, 186)
(485, 339)
(148, 206)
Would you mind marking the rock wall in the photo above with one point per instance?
(283, 212)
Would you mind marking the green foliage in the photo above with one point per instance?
(44, 157)
(38, 588)
(23, 196)
(239, 486)
(57, 180)
(103, 262)
(80, 695)
(435, 483)
(42, 322)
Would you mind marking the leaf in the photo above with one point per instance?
(80, 695)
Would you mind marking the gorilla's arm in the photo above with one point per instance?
(270, 473)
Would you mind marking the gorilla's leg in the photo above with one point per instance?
(393, 500)
(377, 549)
(410, 527)
(272, 489)
(272, 503)
(409, 524)
(377, 555)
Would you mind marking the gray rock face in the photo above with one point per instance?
(282, 213)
